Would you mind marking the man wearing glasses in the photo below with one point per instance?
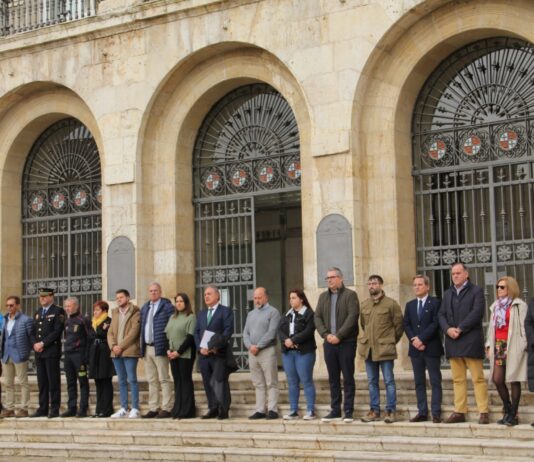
(16, 348)
(460, 317)
(336, 320)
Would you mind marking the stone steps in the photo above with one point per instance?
(91, 439)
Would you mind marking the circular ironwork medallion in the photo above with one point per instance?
(472, 145)
(437, 150)
(59, 201)
(508, 140)
(239, 177)
(37, 202)
(294, 170)
(266, 174)
(81, 198)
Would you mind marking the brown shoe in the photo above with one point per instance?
(484, 418)
(22, 413)
(419, 418)
(163, 415)
(7, 413)
(390, 417)
(372, 416)
(436, 419)
(455, 417)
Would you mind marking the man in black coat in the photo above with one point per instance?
(46, 340)
(529, 329)
(422, 329)
(460, 317)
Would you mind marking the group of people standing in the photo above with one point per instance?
(169, 337)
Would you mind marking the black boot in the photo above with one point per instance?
(512, 418)
(507, 409)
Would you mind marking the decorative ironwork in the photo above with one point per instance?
(473, 165)
(61, 202)
(23, 15)
(249, 143)
(247, 146)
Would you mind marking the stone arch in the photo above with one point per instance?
(168, 134)
(25, 113)
(382, 114)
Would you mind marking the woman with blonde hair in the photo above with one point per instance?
(506, 346)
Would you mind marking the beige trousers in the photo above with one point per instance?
(157, 374)
(459, 368)
(9, 371)
(264, 376)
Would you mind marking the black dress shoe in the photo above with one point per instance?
(68, 413)
(39, 414)
(222, 416)
(257, 416)
(53, 414)
(272, 415)
(81, 414)
(150, 415)
(419, 418)
(436, 418)
(163, 415)
(211, 414)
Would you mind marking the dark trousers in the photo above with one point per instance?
(104, 396)
(340, 360)
(48, 381)
(217, 392)
(184, 393)
(76, 372)
(432, 364)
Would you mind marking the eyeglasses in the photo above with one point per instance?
(8, 305)
(330, 277)
(500, 287)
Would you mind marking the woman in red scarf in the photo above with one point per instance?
(506, 346)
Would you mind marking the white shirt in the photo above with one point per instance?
(149, 329)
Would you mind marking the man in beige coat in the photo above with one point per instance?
(382, 327)
(123, 341)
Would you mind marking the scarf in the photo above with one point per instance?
(499, 317)
(97, 321)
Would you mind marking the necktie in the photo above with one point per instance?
(44, 311)
(150, 336)
(210, 314)
(420, 309)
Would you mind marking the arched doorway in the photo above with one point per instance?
(247, 178)
(473, 165)
(61, 215)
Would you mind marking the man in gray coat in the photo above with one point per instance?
(336, 320)
(259, 337)
(460, 317)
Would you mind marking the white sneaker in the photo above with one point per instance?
(291, 416)
(310, 416)
(134, 414)
(120, 414)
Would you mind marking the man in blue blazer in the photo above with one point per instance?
(217, 319)
(421, 325)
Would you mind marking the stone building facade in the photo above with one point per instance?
(360, 84)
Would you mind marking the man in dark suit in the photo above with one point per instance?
(216, 319)
(421, 326)
(460, 317)
(46, 340)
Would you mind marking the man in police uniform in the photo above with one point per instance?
(46, 339)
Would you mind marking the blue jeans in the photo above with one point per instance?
(126, 369)
(371, 367)
(299, 369)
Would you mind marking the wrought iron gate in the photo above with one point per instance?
(474, 166)
(61, 216)
(248, 146)
(225, 230)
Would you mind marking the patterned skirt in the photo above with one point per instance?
(501, 347)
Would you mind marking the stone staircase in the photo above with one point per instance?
(239, 439)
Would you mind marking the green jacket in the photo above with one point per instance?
(382, 328)
(347, 313)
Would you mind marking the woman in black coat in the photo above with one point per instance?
(100, 364)
(529, 329)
